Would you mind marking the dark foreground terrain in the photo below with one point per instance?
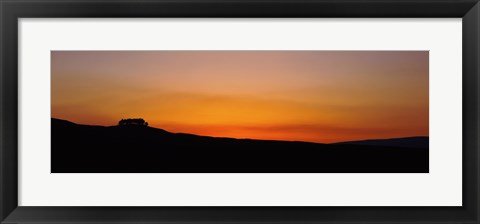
(141, 149)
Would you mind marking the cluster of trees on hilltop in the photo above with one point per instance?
(134, 121)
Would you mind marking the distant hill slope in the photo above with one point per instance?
(141, 149)
(411, 142)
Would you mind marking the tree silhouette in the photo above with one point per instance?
(132, 121)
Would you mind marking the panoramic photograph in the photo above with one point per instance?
(239, 111)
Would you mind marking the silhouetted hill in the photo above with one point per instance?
(142, 149)
(411, 142)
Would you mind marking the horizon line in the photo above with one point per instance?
(348, 141)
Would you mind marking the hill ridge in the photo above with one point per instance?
(363, 141)
(80, 148)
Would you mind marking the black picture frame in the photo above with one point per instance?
(12, 10)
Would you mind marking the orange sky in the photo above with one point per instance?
(318, 96)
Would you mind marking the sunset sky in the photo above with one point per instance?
(317, 96)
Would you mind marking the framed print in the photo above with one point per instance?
(270, 111)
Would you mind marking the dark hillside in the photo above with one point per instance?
(410, 142)
(142, 149)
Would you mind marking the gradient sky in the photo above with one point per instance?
(317, 96)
